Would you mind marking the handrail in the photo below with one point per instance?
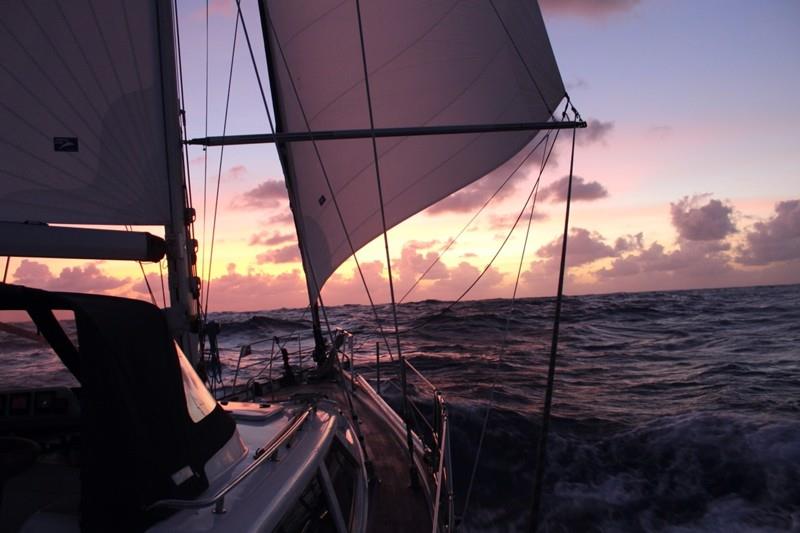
(418, 373)
(441, 438)
(261, 455)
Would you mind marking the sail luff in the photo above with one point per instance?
(313, 286)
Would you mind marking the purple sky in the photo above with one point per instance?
(688, 176)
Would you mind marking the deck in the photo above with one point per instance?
(394, 506)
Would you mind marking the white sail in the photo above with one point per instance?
(431, 63)
(82, 138)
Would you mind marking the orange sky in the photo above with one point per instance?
(676, 190)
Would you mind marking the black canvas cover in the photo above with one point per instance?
(137, 431)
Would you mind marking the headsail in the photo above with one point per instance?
(83, 136)
(430, 63)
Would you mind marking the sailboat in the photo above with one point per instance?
(381, 109)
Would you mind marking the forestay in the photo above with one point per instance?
(430, 63)
(82, 113)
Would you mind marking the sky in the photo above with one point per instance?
(688, 175)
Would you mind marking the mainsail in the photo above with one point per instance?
(82, 109)
(430, 63)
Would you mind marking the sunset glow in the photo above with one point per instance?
(687, 176)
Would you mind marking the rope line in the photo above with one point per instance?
(541, 454)
(469, 223)
(219, 171)
(502, 245)
(503, 345)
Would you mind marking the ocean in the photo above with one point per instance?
(673, 411)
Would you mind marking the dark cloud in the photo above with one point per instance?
(587, 8)
(581, 190)
(266, 239)
(776, 239)
(596, 131)
(269, 193)
(583, 247)
(286, 254)
(629, 243)
(691, 258)
(695, 222)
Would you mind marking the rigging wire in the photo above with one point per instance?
(452, 241)
(219, 171)
(300, 242)
(551, 370)
(330, 186)
(205, 162)
(404, 382)
(163, 290)
(490, 407)
(144, 274)
(497, 253)
(5, 271)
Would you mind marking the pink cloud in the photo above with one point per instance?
(270, 193)
(776, 239)
(86, 278)
(695, 222)
(581, 190)
(264, 238)
(286, 254)
(596, 131)
(587, 8)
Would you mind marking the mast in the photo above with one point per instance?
(184, 286)
(311, 283)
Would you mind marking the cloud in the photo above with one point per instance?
(286, 254)
(628, 243)
(264, 238)
(776, 239)
(596, 132)
(235, 173)
(704, 258)
(583, 247)
(695, 222)
(581, 190)
(86, 278)
(270, 193)
(504, 222)
(253, 291)
(284, 218)
(587, 8)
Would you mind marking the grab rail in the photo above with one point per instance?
(261, 455)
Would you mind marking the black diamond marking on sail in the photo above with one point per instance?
(322, 199)
(65, 144)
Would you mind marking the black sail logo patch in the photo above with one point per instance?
(65, 144)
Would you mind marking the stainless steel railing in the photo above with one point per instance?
(441, 467)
